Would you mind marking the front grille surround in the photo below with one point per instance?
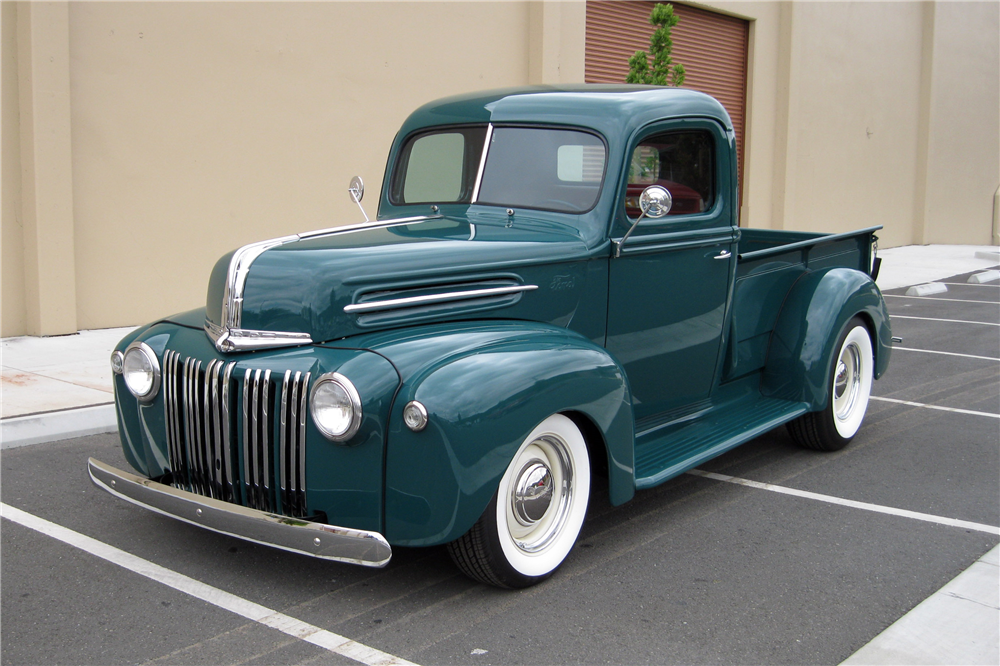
(237, 435)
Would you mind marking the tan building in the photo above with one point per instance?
(141, 141)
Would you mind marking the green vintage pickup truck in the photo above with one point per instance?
(555, 289)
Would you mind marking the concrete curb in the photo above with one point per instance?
(984, 277)
(53, 426)
(927, 289)
(964, 614)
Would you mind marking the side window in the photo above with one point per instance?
(438, 167)
(435, 168)
(679, 161)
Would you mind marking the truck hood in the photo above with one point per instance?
(329, 285)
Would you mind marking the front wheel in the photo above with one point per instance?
(535, 516)
(850, 386)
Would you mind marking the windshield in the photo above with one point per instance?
(526, 167)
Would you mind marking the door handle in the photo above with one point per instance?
(725, 254)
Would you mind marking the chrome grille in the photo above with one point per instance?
(292, 443)
(231, 439)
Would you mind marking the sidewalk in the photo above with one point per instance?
(60, 387)
(57, 387)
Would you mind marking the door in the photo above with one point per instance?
(669, 287)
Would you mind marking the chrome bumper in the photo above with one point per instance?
(326, 542)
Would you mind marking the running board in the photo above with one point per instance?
(673, 451)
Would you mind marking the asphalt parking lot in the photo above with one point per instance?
(697, 570)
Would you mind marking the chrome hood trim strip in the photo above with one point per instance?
(228, 334)
(244, 339)
(327, 542)
(396, 303)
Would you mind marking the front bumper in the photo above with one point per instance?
(326, 542)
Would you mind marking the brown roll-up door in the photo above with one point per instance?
(712, 47)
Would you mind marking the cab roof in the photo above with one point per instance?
(613, 110)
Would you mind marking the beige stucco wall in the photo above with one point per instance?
(44, 147)
(199, 127)
(963, 151)
(865, 113)
(12, 316)
(853, 115)
(193, 128)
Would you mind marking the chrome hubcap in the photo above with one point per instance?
(841, 384)
(540, 494)
(847, 382)
(532, 493)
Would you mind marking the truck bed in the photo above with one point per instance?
(769, 264)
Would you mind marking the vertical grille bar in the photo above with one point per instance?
(192, 468)
(231, 473)
(197, 416)
(293, 448)
(174, 418)
(251, 452)
(218, 472)
(186, 419)
(291, 445)
(247, 499)
(208, 453)
(183, 462)
(283, 443)
(167, 414)
(266, 436)
(170, 408)
(300, 486)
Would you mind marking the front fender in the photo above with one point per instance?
(818, 306)
(485, 387)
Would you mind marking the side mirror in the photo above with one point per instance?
(356, 189)
(655, 202)
(357, 192)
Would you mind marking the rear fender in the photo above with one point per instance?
(485, 387)
(818, 306)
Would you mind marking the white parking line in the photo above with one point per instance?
(950, 321)
(971, 284)
(951, 522)
(931, 351)
(948, 300)
(943, 409)
(213, 595)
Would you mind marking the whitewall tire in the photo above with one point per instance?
(536, 514)
(850, 387)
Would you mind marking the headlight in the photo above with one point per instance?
(141, 371)
(335, 406)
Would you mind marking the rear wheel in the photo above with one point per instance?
(535, 516)
(850, 386)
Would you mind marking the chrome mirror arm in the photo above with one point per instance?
(619, 243)
(655, 202)
(357, 191)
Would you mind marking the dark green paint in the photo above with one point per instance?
(485, 387)
(815, 312)
(666, 355)
(304, 286)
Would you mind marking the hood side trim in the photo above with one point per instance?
(395, 303)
